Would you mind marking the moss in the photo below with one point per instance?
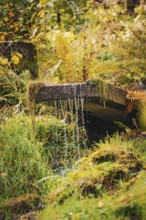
(125, 205)
(92, 83)
(14, 207)
(33, 89)
(112, 161)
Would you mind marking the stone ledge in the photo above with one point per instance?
(104, 91)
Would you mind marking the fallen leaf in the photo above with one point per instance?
(100, 204)
(3, 174)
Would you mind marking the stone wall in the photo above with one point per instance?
(107, 92)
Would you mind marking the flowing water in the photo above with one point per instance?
(71, 109)
(57, 133)
(63, 105)
(71, 113)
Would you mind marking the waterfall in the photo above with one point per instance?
(63, 105)
(57, 133)
(71, 109)
(70, 112)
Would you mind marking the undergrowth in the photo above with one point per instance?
(22, 162)
(13, 87)
(25, 165)
(126, 205)
(109, 46)
(96, 187)
(109, 183)
(59, 139)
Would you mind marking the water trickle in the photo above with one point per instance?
(76, 118)
(84, 133)
(56, 131)
(71, 109)
(71, 113)
(63, 105)
(77, 125)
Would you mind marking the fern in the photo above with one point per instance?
(13, 87)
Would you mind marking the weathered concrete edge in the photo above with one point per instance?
(97, 88)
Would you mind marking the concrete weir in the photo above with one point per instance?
(89, 89)
(98, 119)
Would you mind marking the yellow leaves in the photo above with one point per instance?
(6, 19)
(11, 14)
(137, 95)
(41, 13)
(3, 61)
(16, 57)
(66, 51)
(62, 46)
(15, 27)
(2, 71)
(2, 36)
(43, 1)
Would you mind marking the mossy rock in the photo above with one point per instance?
(15, 207)
(111, 162)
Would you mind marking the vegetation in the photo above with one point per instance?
(20, 155)
(127, 204)
(46, 161)
(101, 185)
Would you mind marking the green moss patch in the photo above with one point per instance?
(108, 184)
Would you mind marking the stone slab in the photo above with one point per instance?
(89, 89)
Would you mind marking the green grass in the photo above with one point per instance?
(108, 184)
(22, 161)
(25, 164)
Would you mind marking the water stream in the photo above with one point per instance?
(63, 105)
(71, 113)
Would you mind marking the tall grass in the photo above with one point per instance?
(22, 162)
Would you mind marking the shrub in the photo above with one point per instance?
(12, 87)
